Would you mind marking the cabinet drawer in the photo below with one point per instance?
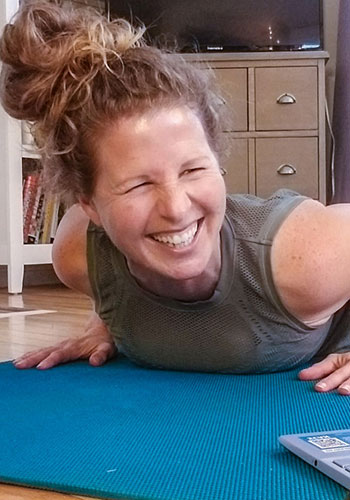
(275, 87)
(236, 164)
(233, 83)
(287, 163)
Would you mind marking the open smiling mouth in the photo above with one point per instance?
(179, 240)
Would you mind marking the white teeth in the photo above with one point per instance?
(178, 240)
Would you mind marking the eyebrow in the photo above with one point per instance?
(188, 163)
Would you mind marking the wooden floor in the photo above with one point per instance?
(23, 331)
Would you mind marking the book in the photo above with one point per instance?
(49, 208)
(30, 191)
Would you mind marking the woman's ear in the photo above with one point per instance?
(89, 208)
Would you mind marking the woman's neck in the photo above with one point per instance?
(200, 287)
(186, 290)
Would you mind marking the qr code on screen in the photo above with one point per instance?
(327, 442)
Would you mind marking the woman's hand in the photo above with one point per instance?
(97, 345)
(333, 372)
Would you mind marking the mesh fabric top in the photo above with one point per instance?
(242, 328)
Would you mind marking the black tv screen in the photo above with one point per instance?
(226, 25)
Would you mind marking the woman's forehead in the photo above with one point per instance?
(160, 127)
(164, 115)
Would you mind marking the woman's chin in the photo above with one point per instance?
(166, 267)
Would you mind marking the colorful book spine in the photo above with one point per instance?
(42, 212)
(49, 209)
(29, 199)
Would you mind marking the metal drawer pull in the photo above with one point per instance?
(220, 100)
(286, 99)
(286, 169)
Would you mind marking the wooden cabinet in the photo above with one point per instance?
(286, 98)
(234, 86)
(276, 106)
(286, 162)
(237, 167)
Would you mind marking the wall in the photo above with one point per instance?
(330, 12)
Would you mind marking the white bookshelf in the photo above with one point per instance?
(13, 253)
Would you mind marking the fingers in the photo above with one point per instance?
(97, 345)
(319, 370)
(97, 350)
(55, 358)
(43, 359)
(339, 379)
(32, 358)
(103, 352)
(333, 372)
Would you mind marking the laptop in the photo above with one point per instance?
(329, 452)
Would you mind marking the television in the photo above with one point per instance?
(226, 25)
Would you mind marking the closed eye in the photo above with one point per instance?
(192, 170)
(137, 186)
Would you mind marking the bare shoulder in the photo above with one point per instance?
(311, 260)
(69, 250)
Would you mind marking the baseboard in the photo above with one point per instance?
(34, 275)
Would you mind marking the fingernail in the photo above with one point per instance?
(345, 388)
(321, 385)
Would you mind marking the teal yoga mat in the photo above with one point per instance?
(121, 431)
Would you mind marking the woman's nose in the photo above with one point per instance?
(173, 202)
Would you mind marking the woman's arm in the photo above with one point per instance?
(69, 250)
(311, 269)
(69, 259)
(311, 260)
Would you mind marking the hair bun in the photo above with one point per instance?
(50, 54)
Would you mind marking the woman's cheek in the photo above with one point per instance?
(125, 218)
(214, 192)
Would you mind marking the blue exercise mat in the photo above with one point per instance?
(121, 431)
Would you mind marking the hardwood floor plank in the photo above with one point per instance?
(8, 492)
(23, 333)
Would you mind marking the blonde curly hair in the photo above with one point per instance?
(72, 73)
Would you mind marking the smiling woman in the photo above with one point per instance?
(173, 212)
(182, 276)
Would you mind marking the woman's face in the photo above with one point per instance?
(159, 194)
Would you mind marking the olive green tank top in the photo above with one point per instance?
(242, 328)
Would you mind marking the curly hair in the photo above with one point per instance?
(73, 72)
